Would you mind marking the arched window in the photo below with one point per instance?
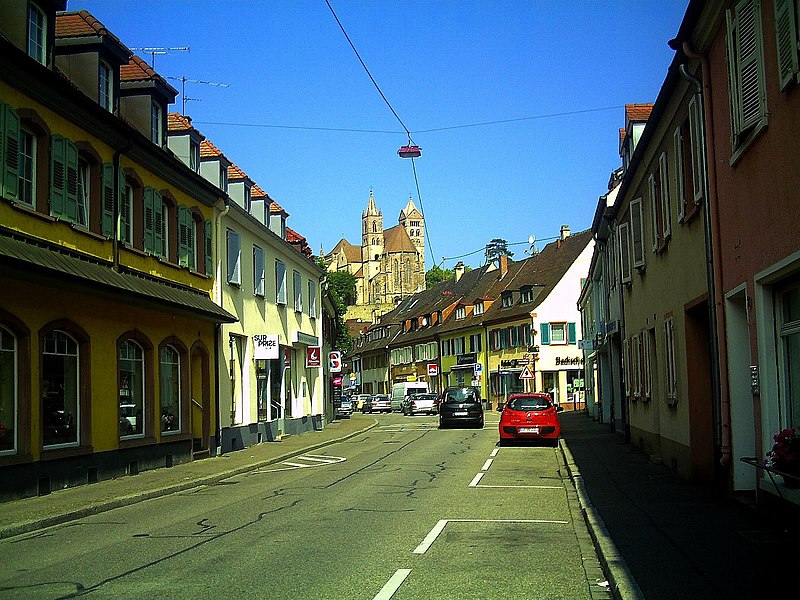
(60, 390)
(170, 375)
(374, 227)
(9, 386)
(131, 389)
(408, 272)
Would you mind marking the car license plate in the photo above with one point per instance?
(460, 413)
(529, 430)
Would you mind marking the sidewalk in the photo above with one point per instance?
(30, 514)
(663, 537)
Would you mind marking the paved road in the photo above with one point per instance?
(403, 511)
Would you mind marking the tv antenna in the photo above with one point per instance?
(160, 52)
(184, 80)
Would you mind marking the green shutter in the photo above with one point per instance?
(9, 152)
(572, 336)
(545, 334)
(192, 241)
(786, 41)
(58, 176)
(158, 225)
(107, 219)
(149, 220)
(209, 249)
(71, 182)
(125, 208)
(183, 237)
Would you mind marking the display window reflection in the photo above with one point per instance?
(131, 389)
(170, 370)
(8, 392)
(60, 390)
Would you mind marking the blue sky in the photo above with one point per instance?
(558, 72)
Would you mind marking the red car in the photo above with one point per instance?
(529, 417)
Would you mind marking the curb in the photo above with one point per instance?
(623, 585)
(106, 505)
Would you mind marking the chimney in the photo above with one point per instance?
(564, 232)
(503, 265)
(459, 270)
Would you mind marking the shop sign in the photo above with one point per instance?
(512, 363)
(568, 361)
(313, 357)
(467, 359)
(433, 370)
(335, 362)
(266, 347)
(337, 380)
(304, 338)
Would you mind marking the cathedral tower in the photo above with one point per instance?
(371, 242)
(414, 224)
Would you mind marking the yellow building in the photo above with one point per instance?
(107, 327)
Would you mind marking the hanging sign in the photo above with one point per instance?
(266, 347)
(313, 357)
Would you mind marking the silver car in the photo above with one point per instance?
(420, 403)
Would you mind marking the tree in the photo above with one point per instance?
(343, 285)
(497, 248)
(437, 275)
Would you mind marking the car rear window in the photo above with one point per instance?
(529, 403)
(460, 395)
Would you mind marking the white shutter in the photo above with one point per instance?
(666, 209)
(786, 41)
(624, 253)
(637, 232)
(677, 153)
(696, 145)
(655, 208)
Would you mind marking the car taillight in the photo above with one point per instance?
(413, 403)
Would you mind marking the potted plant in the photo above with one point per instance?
(785, 455)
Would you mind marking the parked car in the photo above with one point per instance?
(529, 417)
(345, 408)
(359, 400)
(419, 403)
(378, 403)
(406, 388)
(460, 405)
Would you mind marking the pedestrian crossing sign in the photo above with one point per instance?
(526, 373)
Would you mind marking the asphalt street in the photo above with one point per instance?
(402, 511)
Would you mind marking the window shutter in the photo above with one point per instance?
(107, 219)
(786, 41)
(208, 233)
(191, 239)
(572, 336)
(158, 224)
(666, 209)
(9, 152)
(748, 63)
(646, 374)
(637, 232)
(733, 78)
(677, 153)
(149, 220)
(71, 171)
(696, 145)
(654, 210)
(545, 331)
(624, 253)
(58, 176)
(183, 236)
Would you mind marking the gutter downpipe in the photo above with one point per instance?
(218, 331)
(713, 246)
(115, 219)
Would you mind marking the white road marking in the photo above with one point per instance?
(476, 479)
(530, 487)
(439, 527)
(487, 464)
(314, 461)
(297, 465)
(494, 452)
(391, 586)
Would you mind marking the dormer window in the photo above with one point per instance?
(527, 294)
(223, 178)
(478, 307)
(248, 199)
(461, 313)
(106, 86)
(37, 34)
(156, 124)
(194, 155)
(507, 300)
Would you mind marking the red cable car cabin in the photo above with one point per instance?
(409, 152)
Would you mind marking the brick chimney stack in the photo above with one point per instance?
(459, 270)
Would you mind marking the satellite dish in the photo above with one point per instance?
(531, 239)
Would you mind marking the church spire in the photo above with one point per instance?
(372, 210)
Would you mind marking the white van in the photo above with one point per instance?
(405, 388)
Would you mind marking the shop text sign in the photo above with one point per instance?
(313, 357)
(266, 347)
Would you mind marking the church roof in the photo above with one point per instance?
(372, 210)
(395, 239)
(351, 253)
(410, 210)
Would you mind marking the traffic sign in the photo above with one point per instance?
(526, 373)
(335, 361)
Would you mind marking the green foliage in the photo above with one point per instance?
(343, 284)
(437, 275)
(497, 248)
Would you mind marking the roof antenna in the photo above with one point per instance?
(184, 80)
(160, 51)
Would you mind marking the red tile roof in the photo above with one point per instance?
(235, 173)
(257, 192)
(138, 70)
(177, 122)
(81, 24)
(638, 112)
(209, 150)
(622, 135)
(276, 209)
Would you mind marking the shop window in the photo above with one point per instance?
(60, 390)
(170, 383)
(9, 392)
(131, 389)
